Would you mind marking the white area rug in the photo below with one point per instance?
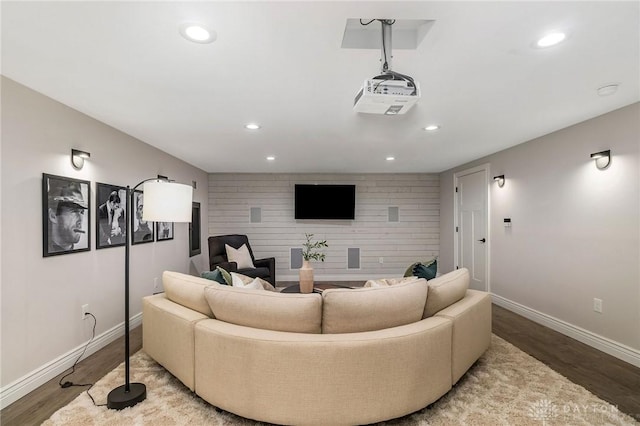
(505, 387)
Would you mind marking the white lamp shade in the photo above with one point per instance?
(167, 202)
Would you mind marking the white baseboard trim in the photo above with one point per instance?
(604, 344)
(31, 381)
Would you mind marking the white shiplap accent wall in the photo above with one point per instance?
(414, 237)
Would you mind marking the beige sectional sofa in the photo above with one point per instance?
(347, 356)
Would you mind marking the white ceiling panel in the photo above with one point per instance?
(281, 64)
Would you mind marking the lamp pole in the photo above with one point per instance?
(128, 394)
(166, 201)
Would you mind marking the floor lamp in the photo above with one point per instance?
(164, 201)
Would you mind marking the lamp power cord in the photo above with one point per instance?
(68, 384)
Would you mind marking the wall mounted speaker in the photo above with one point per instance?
(256, 215)
(394, 214)
(296, 258)
(353, 258)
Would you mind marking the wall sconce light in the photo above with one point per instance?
(500, 180)
(77, 158)
(603, 159)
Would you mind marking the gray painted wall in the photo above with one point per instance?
(575, 229)
(42, 297)
(414, 237)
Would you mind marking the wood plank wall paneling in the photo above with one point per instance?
(414, 237)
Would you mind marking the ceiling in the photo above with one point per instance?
(280, 64)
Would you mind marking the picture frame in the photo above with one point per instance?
(194, 230)
(141, 231)
(66, 215)
(164, 231)
(111, 204)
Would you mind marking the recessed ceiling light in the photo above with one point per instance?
(197, 33)
(252, 126)
(391, 158)
(551, 39)
(271, 158)
(608, 89)
(431, 127)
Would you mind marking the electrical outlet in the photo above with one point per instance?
(155, 283)
(381, 260)
(597, 305)
(85, 309)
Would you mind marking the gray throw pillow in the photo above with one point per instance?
(218, 275)
(214, 275)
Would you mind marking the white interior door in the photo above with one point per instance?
(471, 225)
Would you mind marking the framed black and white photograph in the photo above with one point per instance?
(164, 231)
(66, 215)
(194, 230)
(111, 202)
(142, 231)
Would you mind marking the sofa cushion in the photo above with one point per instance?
(252, 285)
(298, 313)
(386, 282)
(187, 290)
(240, 255)
(374, 308)
(243, 281)
(446, 290)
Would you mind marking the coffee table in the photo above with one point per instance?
(317, 287)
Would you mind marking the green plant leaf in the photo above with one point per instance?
(312, 248)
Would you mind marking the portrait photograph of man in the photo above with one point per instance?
(142, 229)
(66, 215)
(111, 202)
(164, 231)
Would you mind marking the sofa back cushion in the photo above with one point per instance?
(187, 290)
(373, 308)
(446, 290)
(267, 310)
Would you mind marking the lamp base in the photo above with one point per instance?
(119, 398)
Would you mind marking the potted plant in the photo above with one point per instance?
(311, 251)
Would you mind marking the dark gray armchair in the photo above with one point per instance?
(264, 268)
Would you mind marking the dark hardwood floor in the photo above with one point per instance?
(37, 406)
(607, 377)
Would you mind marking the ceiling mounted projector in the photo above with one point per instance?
(389, 93)
(388, 97)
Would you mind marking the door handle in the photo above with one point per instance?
(483, 240)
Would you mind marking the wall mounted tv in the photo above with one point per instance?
(325, 202)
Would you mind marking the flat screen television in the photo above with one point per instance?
(325, 202)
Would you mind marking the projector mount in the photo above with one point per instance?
(389, 93)
(385, 60)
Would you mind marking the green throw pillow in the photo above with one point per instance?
(226, 276)
(410, 272)
(214, 275)
(427, 272)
